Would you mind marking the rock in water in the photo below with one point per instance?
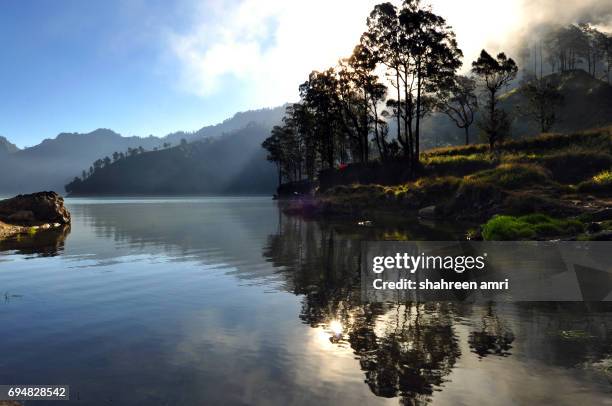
(34, 209)
(428, 212)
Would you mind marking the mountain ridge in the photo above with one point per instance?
(6, 147)
(53, 162)
(231, 163)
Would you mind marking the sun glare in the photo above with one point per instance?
(336, 327)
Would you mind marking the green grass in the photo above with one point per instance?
(513, 175)
(596, 140)
(572, 166)
(536, 175)
(511, 228)
(457, 165)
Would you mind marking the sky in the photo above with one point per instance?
(145, 67)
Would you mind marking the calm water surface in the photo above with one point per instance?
(227, 301)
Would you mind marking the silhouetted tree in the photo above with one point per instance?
(420, 51)
(494, 74)
(542, 102)
(367, 91)
(98, 163)
(319, 95)
(382, 39)
(341, 116)
(275, 153)
(460, 103)
(435, 59)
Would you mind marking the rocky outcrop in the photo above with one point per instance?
(34, 210)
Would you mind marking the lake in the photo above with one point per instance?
(190, 301)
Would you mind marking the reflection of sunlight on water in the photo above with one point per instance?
(328, 336)
(322, 339)
(336, 327)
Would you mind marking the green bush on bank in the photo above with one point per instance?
(600, 183)
(511, 228)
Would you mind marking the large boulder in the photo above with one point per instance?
(34, 209)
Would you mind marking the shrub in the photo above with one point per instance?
(600, 183)
(511, 228)
(507, 228)
(440, 186)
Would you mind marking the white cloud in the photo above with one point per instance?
(270, 46)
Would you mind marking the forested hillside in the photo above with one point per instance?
(231, 164)
(55, 162)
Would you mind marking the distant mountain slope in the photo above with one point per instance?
(232, 163)
(6, 147)
(587, 103)
(267, 117)
(54, 162)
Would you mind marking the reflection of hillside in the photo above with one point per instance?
(46, 243)
(223, 230)
(409, 350)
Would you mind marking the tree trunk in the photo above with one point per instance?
(417, 132)
(467, 135)
(493, 129)
(399, 118)
(280, 176)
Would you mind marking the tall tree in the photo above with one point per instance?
(319, 95)
(459, 102)
(272, 144)
(542, 102)
(494, 74)
(434, 60)
(360, 93)
(382, 39)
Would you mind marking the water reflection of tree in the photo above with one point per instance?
(405, 350)
(495, 338)
(408, 350)
(410, 354)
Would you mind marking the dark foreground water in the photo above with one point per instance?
(226, 301)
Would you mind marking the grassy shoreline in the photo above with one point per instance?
(566, 178)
